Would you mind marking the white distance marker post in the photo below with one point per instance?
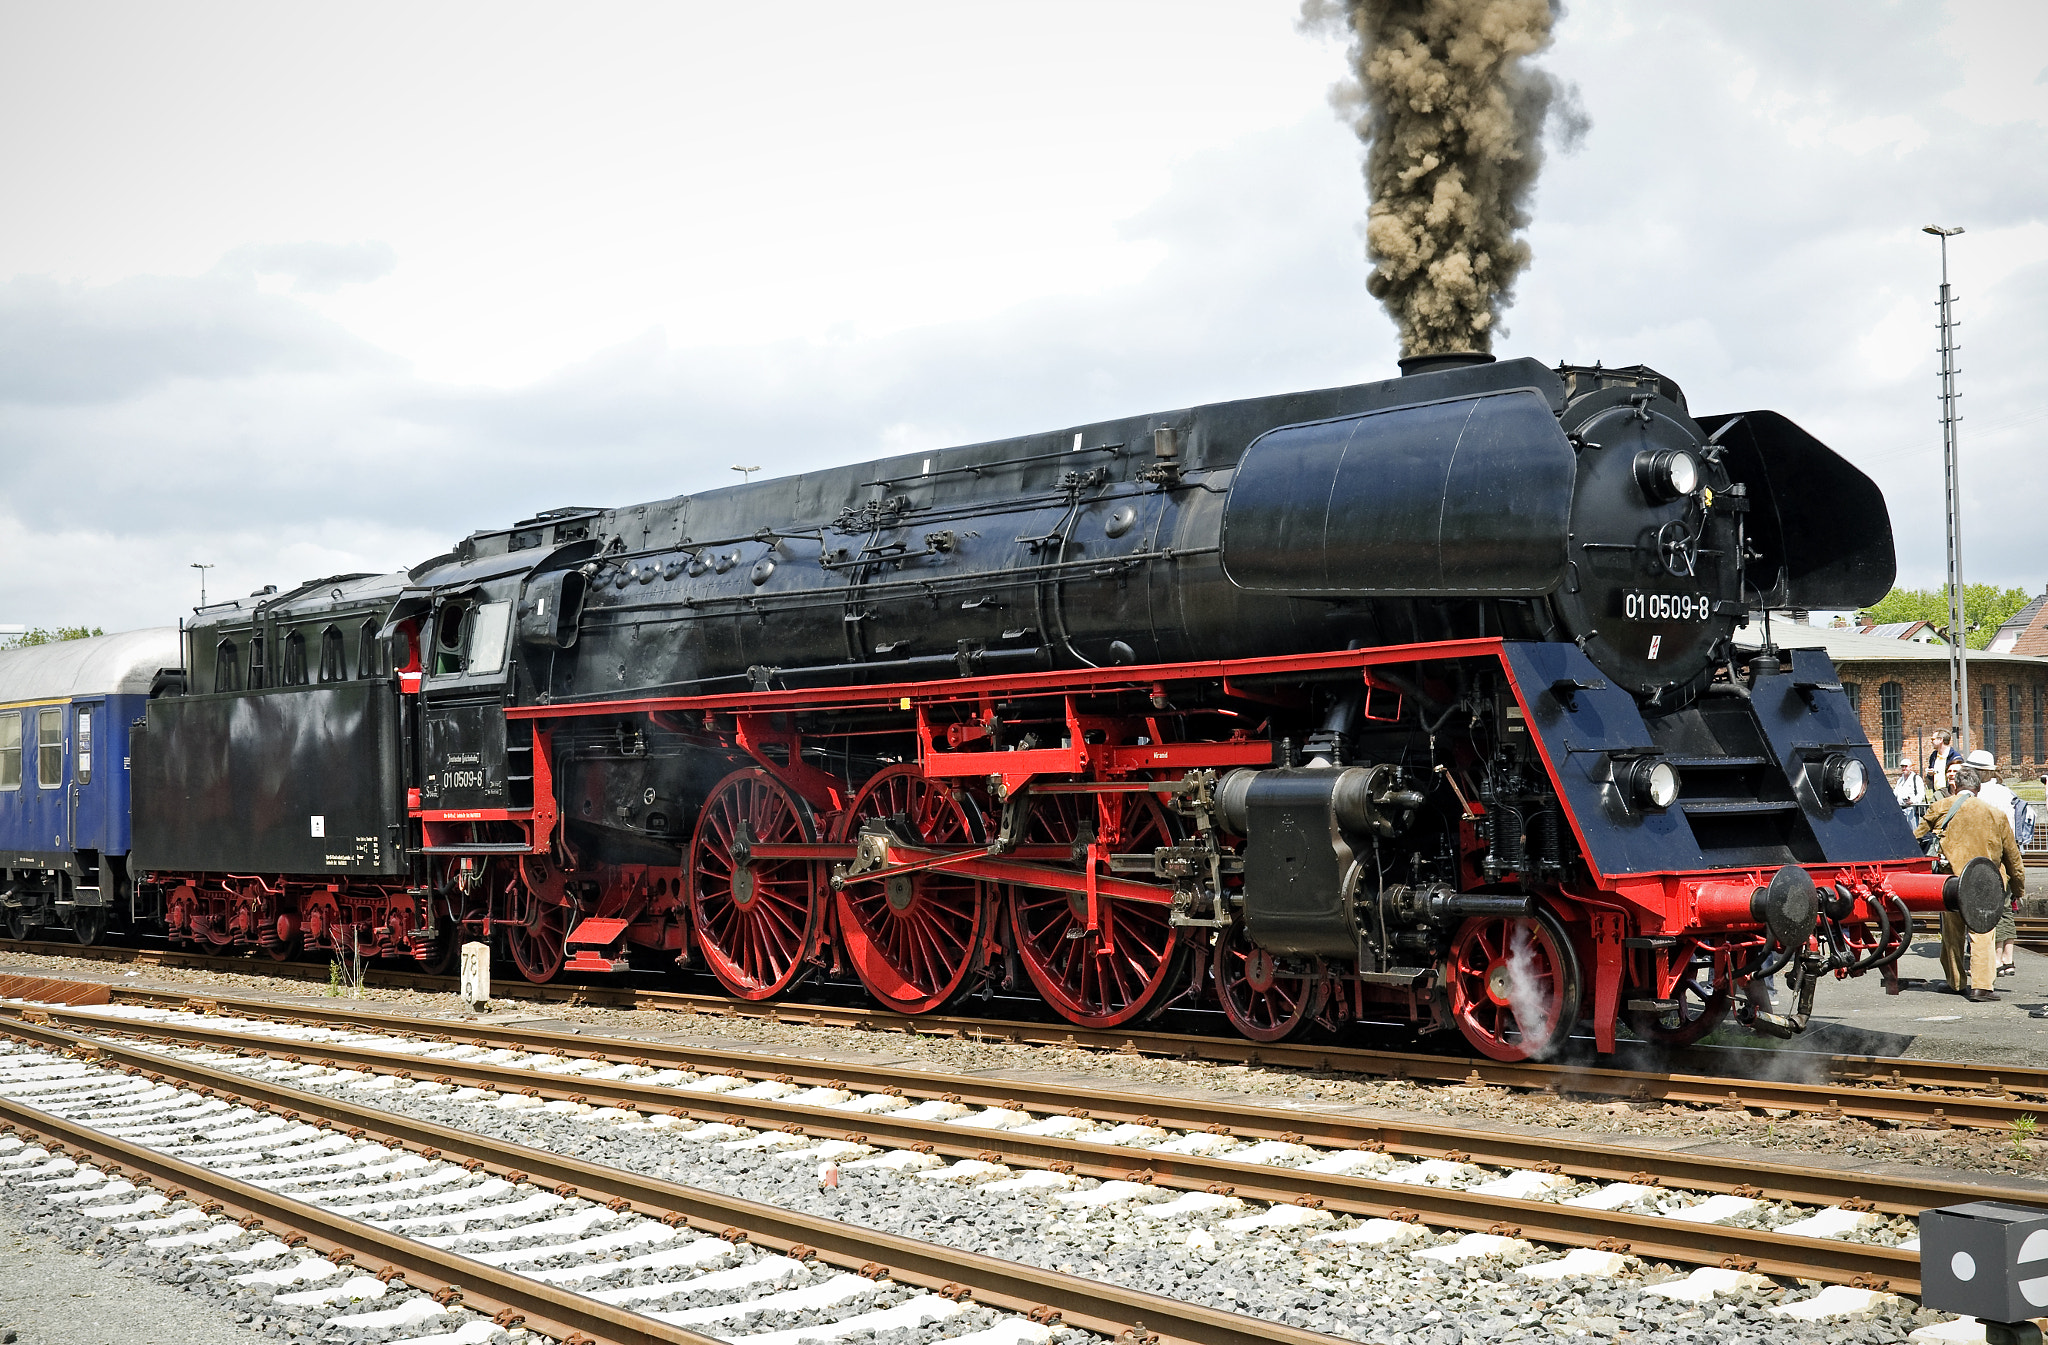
(476, 976)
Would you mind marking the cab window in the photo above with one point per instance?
(487, 632)
(470, 638)
(50, 747)
(10, 750)
(451, 629)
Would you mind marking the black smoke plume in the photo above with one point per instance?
(1452, 114)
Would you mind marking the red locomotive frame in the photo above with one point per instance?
(792, 871)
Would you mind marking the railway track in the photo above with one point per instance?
(1416, 1191)
(236, 1163)
(1892, 1090)
(1613, 1200)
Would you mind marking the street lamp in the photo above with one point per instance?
(202, 580)
(746, 473)
(1958, 665)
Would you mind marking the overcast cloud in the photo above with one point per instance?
(295, 290)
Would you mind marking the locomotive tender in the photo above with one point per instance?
(1416, 698)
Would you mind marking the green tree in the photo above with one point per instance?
(1985, 608)
(36, 635)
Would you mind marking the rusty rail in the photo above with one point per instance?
(509, 1299)
(1994, 1101)
(1642, 1235)
(1867, 1087)
(1092, 1305)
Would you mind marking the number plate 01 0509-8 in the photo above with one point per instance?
(1639, 606)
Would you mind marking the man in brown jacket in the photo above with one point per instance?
(1969, 828)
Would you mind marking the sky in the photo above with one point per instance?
(295, 290)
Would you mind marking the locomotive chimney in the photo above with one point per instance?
(1436, 364)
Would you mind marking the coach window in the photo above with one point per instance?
(331, 666)
(294, 671)
(50, 747)
(227, 667)
(487, 632)
(83, 772)
(10, 750)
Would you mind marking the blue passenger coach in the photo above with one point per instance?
(65, 710)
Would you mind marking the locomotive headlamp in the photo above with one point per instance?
(1845, 778)
(1667, 473)
(1650, 782)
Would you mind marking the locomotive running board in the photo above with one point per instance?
(1398, 978)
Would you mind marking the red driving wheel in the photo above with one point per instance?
(757, 919)
(1262, 999)
(914, 938)
(1110, 975)
(1514, 985)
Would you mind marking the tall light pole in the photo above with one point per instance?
(746, 473)
(202, 580)
(1958, 665)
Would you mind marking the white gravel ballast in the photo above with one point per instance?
(1368, 1280)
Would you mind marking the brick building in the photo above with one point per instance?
(1901, 690)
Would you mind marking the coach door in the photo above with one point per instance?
(52, 795)
(88, 791)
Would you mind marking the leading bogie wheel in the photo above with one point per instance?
(758, 920)
(1700, 1008)
(1112, 974)
(914, 939)
(1264, 999)
(1513, 985)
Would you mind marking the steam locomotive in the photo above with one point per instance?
(1416, 699)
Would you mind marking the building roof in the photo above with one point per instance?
(1902, 630)
(2025, 631)
(1848, 646)
(105, 665)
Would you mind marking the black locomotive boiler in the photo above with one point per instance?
(1417, 697)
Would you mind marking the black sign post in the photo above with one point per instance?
(1988, 1260)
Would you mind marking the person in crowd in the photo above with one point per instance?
(1941, 759)
(1994, 793)
(1910, 790)
(1968, 828)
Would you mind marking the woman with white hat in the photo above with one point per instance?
(1991, 791)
